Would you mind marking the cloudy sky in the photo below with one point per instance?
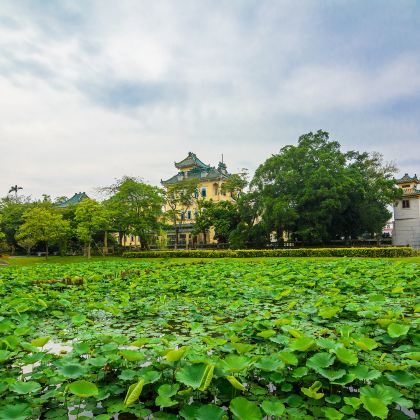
(93, 90)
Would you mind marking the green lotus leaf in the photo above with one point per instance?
(311, 392)
(375, 407)
(99, 361)
(300, 372)
(333, 399)
(345, 379)
(397, 330)
(403, 378)
(346, 356)
(329, 312)
(163, 401)
(320, 360)
(332, 414)
(133, 393)
(168, 390)
(234, 363)
(176, 354)
(413, 355)
(332, 374)
(235, 383)
(243, 409)
(363, 373)
(242, 348)
(72, 370)
(366, 343)
(132, 355)
(16, 411)
(269, 364)
(301, 344)
(4, 355)
(267, 333)
(83, 389)
(40, 342)
(210, 412)
(288, 358)
(273, 407)
(353, 401)
(192, 375)
(25, 387)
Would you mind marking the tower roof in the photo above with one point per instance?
(76, 199)
(191, 160)
(406, 178)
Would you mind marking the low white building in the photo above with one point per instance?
(407, 213)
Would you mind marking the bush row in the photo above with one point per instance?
(372, 252)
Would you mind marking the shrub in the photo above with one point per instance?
(372, 252)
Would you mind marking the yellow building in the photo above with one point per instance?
(209, 187)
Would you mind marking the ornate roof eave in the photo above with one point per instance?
(406, 178)
(191, 160)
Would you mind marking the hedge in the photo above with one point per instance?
(372, 252)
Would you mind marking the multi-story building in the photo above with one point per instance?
(407, 213)
(209, 187)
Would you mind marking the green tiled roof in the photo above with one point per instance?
(191, 160)
(407, 178)
(76, 199)
(199, 171)
(210, 174)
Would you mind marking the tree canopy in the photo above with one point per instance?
(316, 192)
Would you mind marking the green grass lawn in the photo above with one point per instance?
(21, 261)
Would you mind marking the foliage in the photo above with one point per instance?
(371, 252)
(315, 192)
(290, 338)
(42, 224)
(135, 209)
(179, 198)
(90, 217)
(222, 215)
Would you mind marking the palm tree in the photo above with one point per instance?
(15, 189)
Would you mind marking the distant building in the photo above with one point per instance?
(76, 199)
(210, 181)
(407, 213)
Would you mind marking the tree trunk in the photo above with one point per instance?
(106, 243)
(13, 249)
(176, 236)
(46, 250)
(88, 250)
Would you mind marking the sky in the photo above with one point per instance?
(91, 90)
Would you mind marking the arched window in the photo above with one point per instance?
(203, 192)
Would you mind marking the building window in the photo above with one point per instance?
(189, 214)
(182, 215)
(406, 204)
(204, 192)
(215, 189)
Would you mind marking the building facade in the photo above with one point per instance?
(407, 213)
(210, 181)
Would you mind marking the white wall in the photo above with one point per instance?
(407, 223)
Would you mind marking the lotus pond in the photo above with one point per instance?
(289, 339)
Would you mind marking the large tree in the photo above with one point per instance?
(135, 208)
(179, 198)
(41, 224)
(316, 192)
(91, 217)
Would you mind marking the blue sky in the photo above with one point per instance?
(94, 90)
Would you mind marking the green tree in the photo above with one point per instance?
(316, 192)
(236, 184)
(43, 225)
(91, 217)
(179, 198)
(135, 208)
(12, 210)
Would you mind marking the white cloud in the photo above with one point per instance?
(91, 91)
